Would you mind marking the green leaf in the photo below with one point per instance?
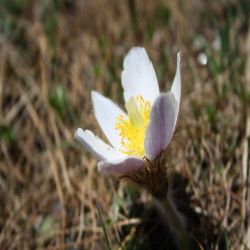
(59, 101)
(8, 135)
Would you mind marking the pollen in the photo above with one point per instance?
(132, 128)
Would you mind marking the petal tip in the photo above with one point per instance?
(78, 133)
(176, 86)
(179, 55)
(137, 49)
(135, 52)
(94, 94)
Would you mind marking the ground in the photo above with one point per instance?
(53, 53)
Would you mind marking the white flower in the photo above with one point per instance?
(146, 129)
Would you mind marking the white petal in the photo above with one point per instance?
(176, 86)
(106, 113)
(138, 76)
(161, 126)
(124, 166)
(111, 160)
(96, 146)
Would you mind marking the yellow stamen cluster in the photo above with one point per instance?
(132, 128)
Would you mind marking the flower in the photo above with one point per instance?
(147, 127)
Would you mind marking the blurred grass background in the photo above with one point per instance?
(53, 53)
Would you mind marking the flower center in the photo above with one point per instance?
(132, 128)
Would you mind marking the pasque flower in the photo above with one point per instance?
(139, 137)
(146, 129)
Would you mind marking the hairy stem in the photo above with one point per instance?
(173, 220)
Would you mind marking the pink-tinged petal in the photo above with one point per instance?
(163, 117)
(96, 146)
(122, 166)
(106, 113)
(138, 76)
(161, 126)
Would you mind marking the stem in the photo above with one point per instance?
(170, 215)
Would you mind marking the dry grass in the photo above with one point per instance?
(53, 53)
